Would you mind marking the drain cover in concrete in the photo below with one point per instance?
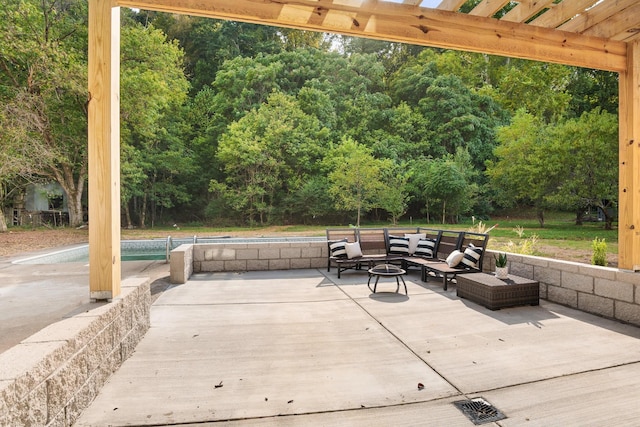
(479, 411)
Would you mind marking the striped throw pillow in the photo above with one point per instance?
(471, 256)
(425, 248)
(398, 245)
(338, 248)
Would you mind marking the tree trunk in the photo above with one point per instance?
(541, 218)
(143, 211)
(75, 208)
(608, 222)
(427, 208)
(608, 219)
(444, 211)
(579, 215)
(73, 188)
(127, 215)
(3, 222)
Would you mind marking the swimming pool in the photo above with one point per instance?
(155, 249)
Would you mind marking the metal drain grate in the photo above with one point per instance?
(479, 411)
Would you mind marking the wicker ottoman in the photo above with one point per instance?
(494, 293)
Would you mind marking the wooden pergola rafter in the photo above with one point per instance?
(598, 34)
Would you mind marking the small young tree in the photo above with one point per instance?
(395, 198)
(356, 177)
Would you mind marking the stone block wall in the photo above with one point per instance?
(604, 291)
(259, 256)
(50, 377)
(181, 264)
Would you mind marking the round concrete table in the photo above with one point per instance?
(387, 270)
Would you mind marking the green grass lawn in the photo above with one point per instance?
(559, 232)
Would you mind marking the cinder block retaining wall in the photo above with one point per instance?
(607, 292)
(258, 256)
(49, 378)
(604, 291)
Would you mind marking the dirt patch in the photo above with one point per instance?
(15, 242)
(19, 241)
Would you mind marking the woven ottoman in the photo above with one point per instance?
(493, 293)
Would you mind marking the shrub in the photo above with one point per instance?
(599, 256)
(525, 246)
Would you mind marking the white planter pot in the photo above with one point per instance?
(502, 272)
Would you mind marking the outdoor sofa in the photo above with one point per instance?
(438, 253)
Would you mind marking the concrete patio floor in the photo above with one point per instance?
(303, 348)
(33, 296)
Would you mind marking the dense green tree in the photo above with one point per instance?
(43, 88)
(522, 172)
(391, 55)
(312, 202)
(400, 134)
(441, 186)
(153, 88)
(17, 162)
(538, 87)
(586, 152)
(267, 154)
(410, 83)
(591, 89)
(458, 118)
(201, 140)
(569, 165)
(208, 43)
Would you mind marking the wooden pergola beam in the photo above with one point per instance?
(104, 150)
(410, 24)
(629, 158)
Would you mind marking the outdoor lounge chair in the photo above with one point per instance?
(368, 248)
(426, 250)
(466, 258)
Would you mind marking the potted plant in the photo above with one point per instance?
(502, 272)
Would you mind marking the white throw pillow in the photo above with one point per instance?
(454, 258)
(353, 250)
(413, 241)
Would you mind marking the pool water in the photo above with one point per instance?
(129, 251)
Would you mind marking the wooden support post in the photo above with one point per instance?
(104, 150)
(629, 192)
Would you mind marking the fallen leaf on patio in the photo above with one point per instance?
(291, 401)
(420, 386)
(218, 385)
